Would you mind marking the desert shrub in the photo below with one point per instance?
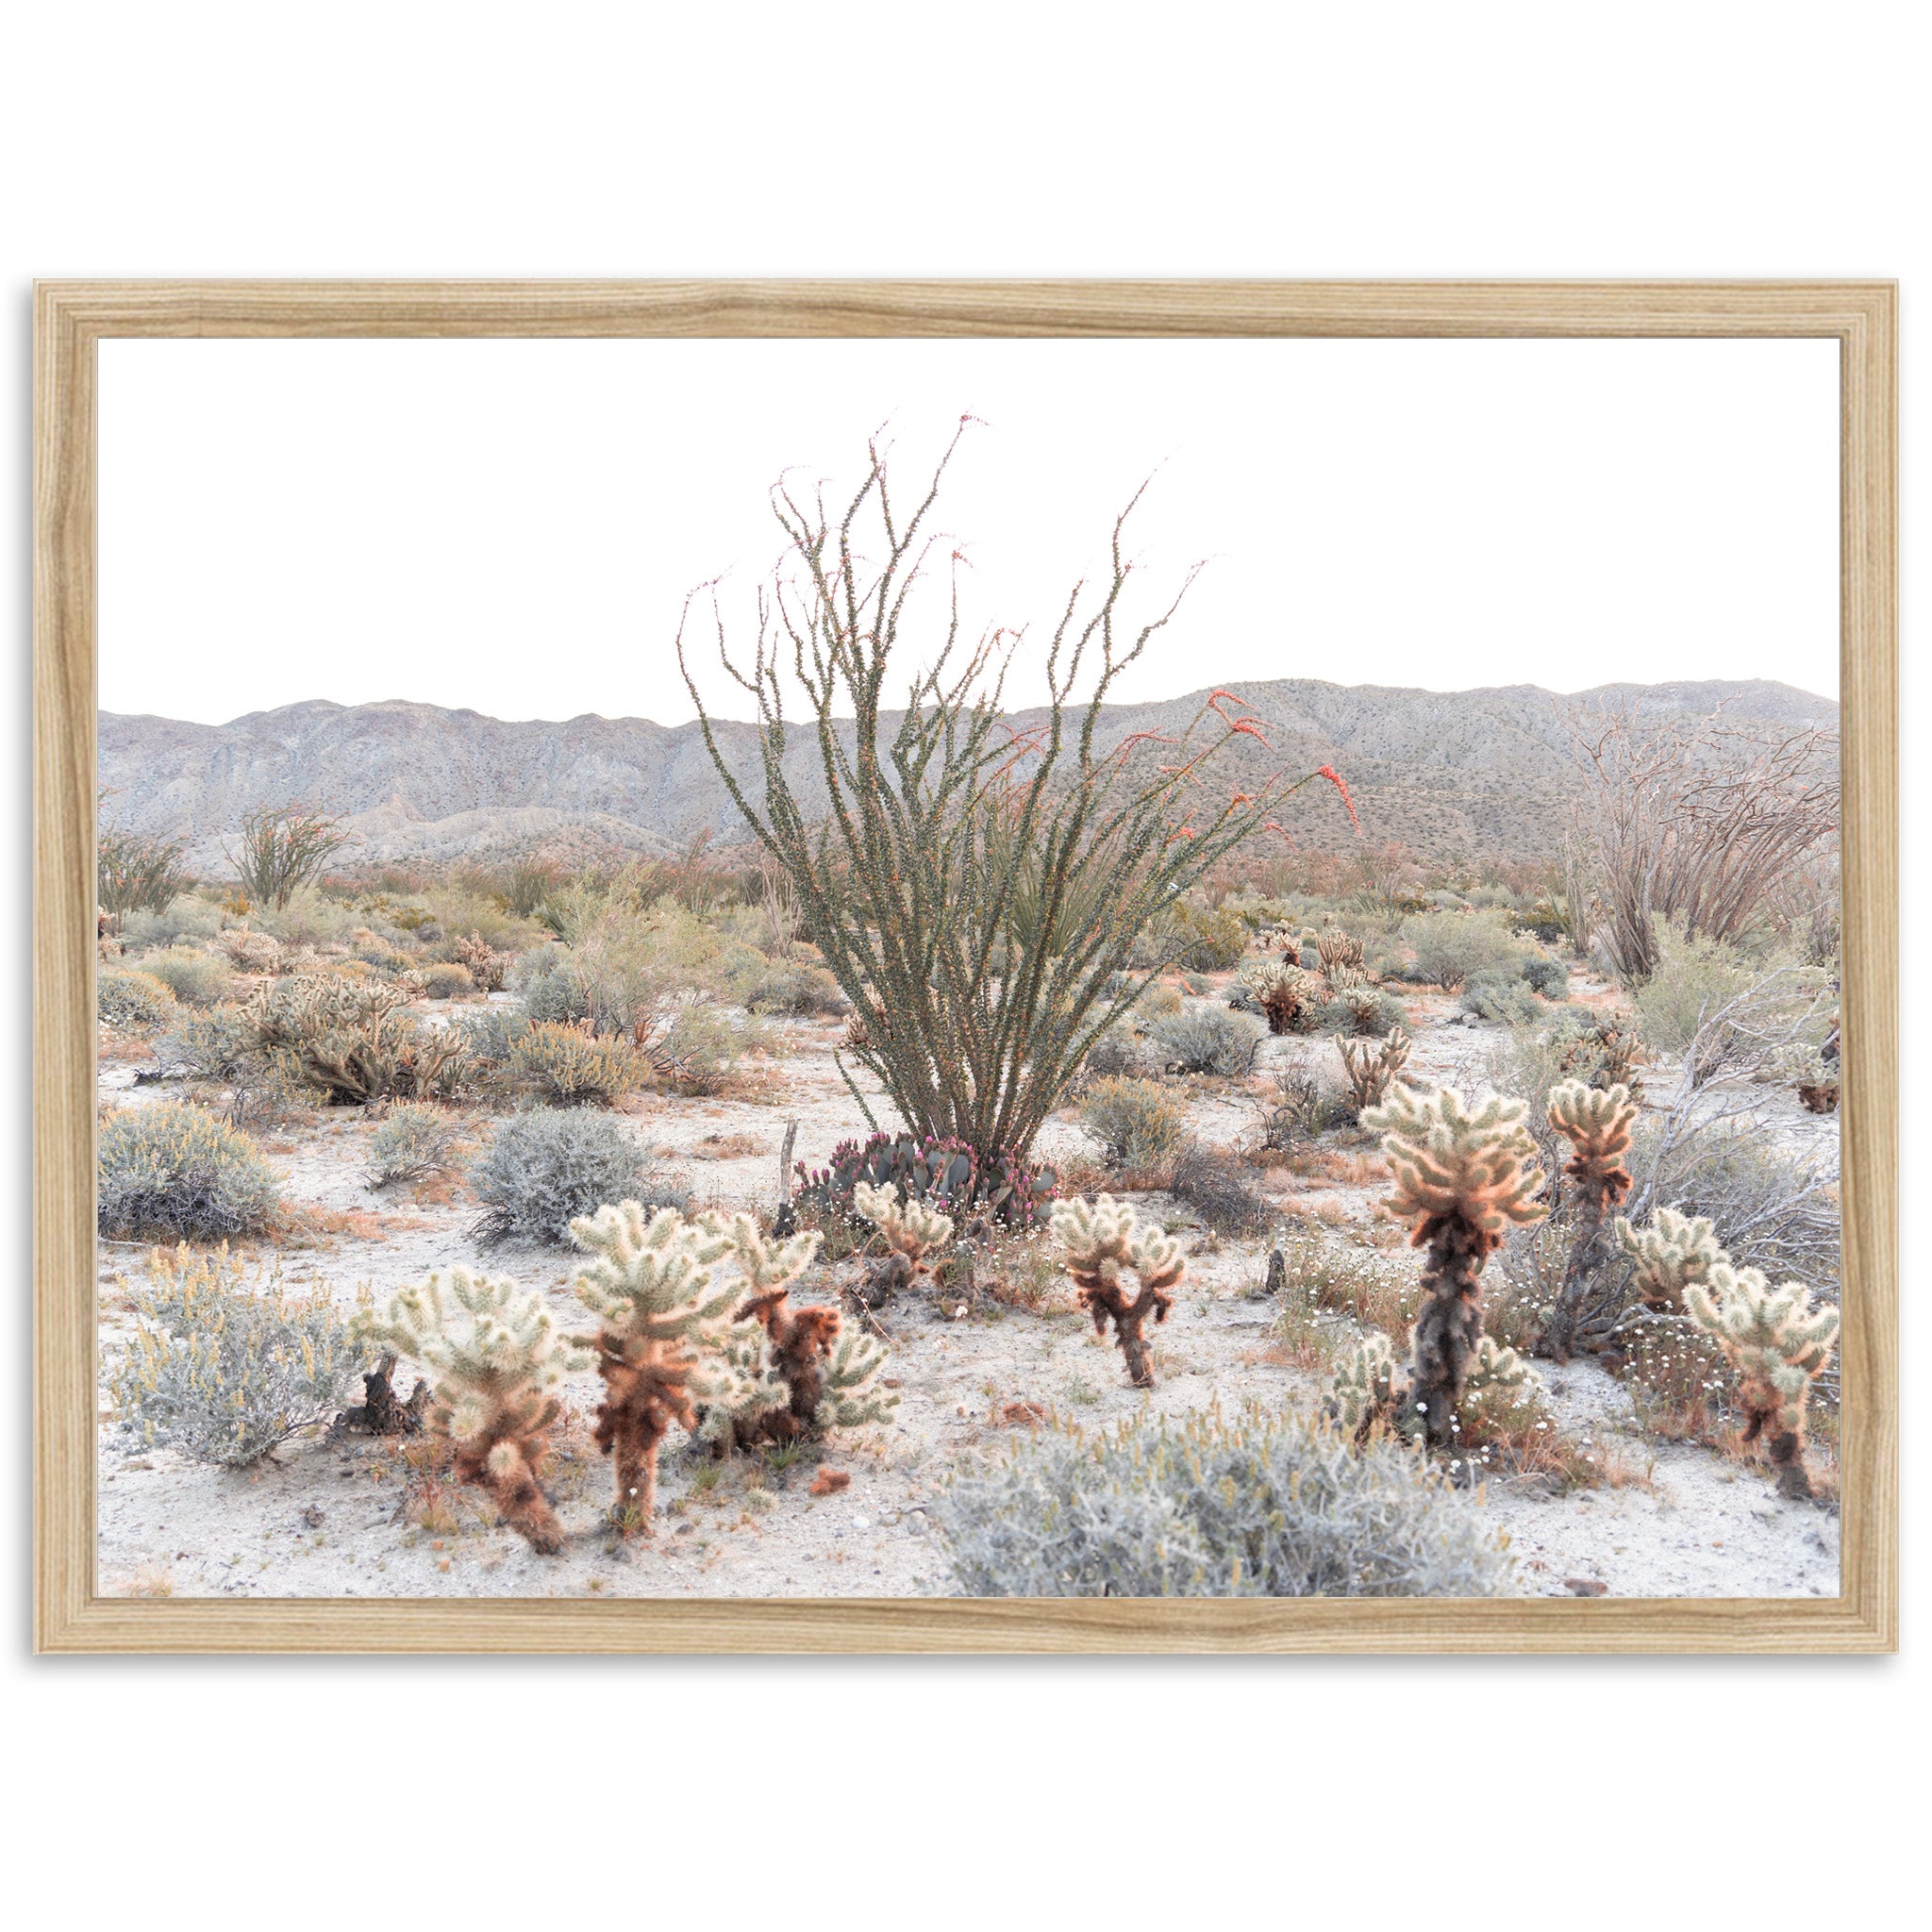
(1453, 946)
(793, 986)
(699, 1046)
(224, 1369)
(180, 1171)
(544, 1168)
(1257, 1506)
(410, 1141)
(184, 917)
(447, 980)
(1139, 1123)
(550, 984)
(491, 1034)
(252, 952)
(1214, 1184)
(310, 918)
(571, 1065)
(197, 979)
(1365, 1010)
(1207, 1040)
(488, 967)
(462, 913)
(350, 1041)
(1500, 996)
(214, 1044)
(126, 996)
(1210, 940)
(1546, 976)
(1695, 979)
(1117, 1051)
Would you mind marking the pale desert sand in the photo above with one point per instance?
(327, 1516)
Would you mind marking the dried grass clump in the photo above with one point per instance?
(1259, 1505)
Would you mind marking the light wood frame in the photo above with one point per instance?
(71, 317)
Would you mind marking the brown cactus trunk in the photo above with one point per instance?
(1449, 1327)
(1105, 1301)
(642, 1398)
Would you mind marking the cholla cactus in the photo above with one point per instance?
(1102, 1239)
(1283, 991)
(1371, 1065)
(1597, 1123)
(1779, 1344)
(798, 1373)
(1669, 1255)
(1494, 1370)
(496, 1356)
(1464, 1174)
(1340, 957)
(1364, 1387)
(912, 1232)
(663, 1339)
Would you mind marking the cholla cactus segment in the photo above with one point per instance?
(1337, 951)
(651, 1278)
(1454, 1159)
(910, 1228)
(1493, 1367)
(496, 1356)
(1779, 1344)
(1283, 991)
(1364, 1385)
(1597, 1123)
(1675, 1251)
(1100, 1239)
(854, 1391)
(767, 1263)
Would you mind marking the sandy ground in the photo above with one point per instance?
(334, 1517)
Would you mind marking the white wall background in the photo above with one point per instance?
(1505, 139)
(513, 526)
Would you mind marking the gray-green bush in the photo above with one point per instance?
(411, 1142)
(551, 985)
(215, 1043)
(125, 997)
(1139, 1123)
(224, 1368)
(196, 979)
(545, 1167)
(1207, 1040)
(1259, 1505)
(1451, 947)
(180, 1171)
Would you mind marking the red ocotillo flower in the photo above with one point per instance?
(1340, 784)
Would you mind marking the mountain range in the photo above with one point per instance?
(1451, 774)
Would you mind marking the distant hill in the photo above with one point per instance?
(1448, 772)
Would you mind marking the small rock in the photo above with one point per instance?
(1585, 1586)
(313, 1517)
(829, 1481)
(861, 1522)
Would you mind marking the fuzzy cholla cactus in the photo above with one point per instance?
(800, 1372)
(1284, 992)
(496, 1356)
(1365, 1386)
(661, 1342)
(1597, 1123)
(1371, 1065)
(1465, 1173)
(1779, 1344)
(1494, 1371)
(912, 1232)
(1669, 1255)
(1100, 1239)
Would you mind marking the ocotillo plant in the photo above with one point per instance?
(1779, 1344)
(974, 887)
(496, 1356)
(1371, 1065)
(661, 1339)
(1100, 1241)
(1463, 1176)
(1667, 1255)
(912, 1232)
(1597, 1123)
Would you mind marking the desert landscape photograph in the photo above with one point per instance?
(913, 969)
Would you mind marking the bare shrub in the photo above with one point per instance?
(1210, 1180)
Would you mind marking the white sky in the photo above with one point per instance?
(512, 526)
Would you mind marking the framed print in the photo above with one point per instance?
(966, 966)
